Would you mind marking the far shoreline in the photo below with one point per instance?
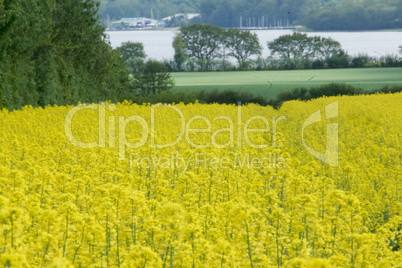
(303, 30)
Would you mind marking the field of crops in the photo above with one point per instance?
(270, 83)
(314, 184)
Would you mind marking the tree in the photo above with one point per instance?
(132, 50)
(152, 78)
(241, 45)
(202, 43)
(300, 48)
(224, 15)
(180, 56)
(341, 60)
(207, 7)
(355, 16)
(292, 46)
(326, 47)
(55, 52)
(133, 55)
(8, 16)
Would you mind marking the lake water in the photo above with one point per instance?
(158, 44)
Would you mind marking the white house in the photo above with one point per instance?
(187, 16)
(136, 22)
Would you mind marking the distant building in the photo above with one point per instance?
(187, 16)
(136, 23)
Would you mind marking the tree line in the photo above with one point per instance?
(315, 14)
(55, 53)
(201, 44)
(357, 16)
(206, 47)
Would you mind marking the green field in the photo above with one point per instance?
(270, 83)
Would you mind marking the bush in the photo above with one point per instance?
(288, 64)
(261, 63)
(333, 89)
(295, 94)
(185, 97)
(387, 89)
(391, 61)
(318, 64)
(338, 61)
(153, 77)
(215, 96)
(361, 60)
(230, 97)
(234, 97)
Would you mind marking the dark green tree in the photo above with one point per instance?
(8, 13)
(241, 45)
(202, 43)
(326, 47)
(133, 55)
(356, 16)
(298, 48)
(341, 60)
(292, 46)
(224, 15)
(152, 78)
(130, 50)
(55, 52)
(180, 55)
(207, 7)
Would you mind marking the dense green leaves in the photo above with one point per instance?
(55, 52)
(292, 46)
(241, 45)
(202, 42)
(298, 48)
(180, 55)
(131, 50)
(152, 78)
(8, 14)
(206, 43)
(357, 16)
(133, 55)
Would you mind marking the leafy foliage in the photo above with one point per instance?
(328, 90)
(241, 45)
(131, 50)
(194, 42)
(202, 43)
(299, 45)
(133, 55)
(151, 78)
(366, 15)
(180, 55)
(55, 52)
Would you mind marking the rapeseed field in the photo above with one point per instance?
(313, 184)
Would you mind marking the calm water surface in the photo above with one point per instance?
(158, 44)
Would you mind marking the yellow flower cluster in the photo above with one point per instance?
(127, 185)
